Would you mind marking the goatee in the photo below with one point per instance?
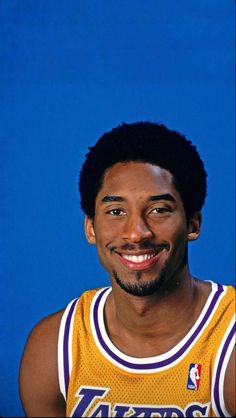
(141, 288)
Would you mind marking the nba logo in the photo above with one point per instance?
(194, 376)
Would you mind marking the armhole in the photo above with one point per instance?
(221, 362)
(65, 347)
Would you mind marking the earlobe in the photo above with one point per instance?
(89, 230)
(194, 226)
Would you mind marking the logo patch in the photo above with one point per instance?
(194, 374)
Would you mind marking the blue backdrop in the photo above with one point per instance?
(70, 70)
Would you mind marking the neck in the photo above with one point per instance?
(152, 325)
(149, 314)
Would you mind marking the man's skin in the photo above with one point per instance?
(138, 213)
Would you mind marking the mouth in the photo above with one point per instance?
(140, 261)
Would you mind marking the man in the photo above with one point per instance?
(158, 342)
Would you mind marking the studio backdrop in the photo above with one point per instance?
(69, 71)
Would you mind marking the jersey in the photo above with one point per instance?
(98, 380)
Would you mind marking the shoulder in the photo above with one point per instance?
(230, 384)
(77, 309)
(49, 326)
(41, 349)
(230, 356)
(43, 337)
(226, 292)
(38, 379)
(224, 381)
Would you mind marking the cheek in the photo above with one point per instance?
(171, 229)
(106, 231)
(103, 241)
(104, 257)
(180, 242)
(176, 233)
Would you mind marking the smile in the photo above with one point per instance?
(139, 262)
(138, 258)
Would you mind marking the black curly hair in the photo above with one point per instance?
(151, 143)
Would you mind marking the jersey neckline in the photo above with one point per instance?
(156, 363)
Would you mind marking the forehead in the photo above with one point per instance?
(136, 177)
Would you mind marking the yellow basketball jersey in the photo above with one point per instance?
(98, 380)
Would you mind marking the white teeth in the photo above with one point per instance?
(138, 258)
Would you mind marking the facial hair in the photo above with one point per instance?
(141, 288)
(164, 282)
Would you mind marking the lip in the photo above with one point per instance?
(140, 260)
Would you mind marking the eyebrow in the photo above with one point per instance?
(109, 198)
(154, 198)
(166, 196)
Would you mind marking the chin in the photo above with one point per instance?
(141, 288)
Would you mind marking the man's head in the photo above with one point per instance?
(145, 142)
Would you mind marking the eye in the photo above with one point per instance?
(160, 210)
(116, 212)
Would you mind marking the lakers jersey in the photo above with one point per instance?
(98, 380)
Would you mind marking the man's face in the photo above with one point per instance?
(140, 228)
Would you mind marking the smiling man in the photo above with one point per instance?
(158, 341)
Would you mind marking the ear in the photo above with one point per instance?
(194, 226)
(89, 230)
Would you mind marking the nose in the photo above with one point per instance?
(136, 229)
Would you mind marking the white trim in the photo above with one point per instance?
(70, 353)
(60, 350)
(222, 371)
(148, 360)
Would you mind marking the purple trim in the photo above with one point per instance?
(162, 363)
(66, 346)
(218, 371)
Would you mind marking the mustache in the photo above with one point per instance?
(145, 245)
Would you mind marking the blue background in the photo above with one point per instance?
(70, 70)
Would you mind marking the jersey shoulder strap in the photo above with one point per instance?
(65, 338)
(64, 343)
